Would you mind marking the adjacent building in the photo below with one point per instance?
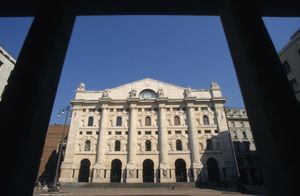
(7, 63)
(244, 146)
(290, 58)
(55, 135)
(148, 131)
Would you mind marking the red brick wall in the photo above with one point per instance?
(54, 134)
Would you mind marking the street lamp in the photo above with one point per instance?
(65, 111)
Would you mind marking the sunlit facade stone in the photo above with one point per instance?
(148, 131)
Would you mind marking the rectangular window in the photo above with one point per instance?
(196, 109)
(109, 133)
(80, 132)
(147, 109)
(204, 108)
(168, 109)
(199, 131)
(126, 132)
(216, 131)
(175, 109)
(286, 67)
(89, 132)
(139, 132)
(105, 173)
(92, 110)
(97, 133)
(139, 109)
(244, 135)
(83, 110)
(177, 132)
(111, 110)
(186, 132)
(137, 173)
(156, 132)
(207, 131)
(169, 132)
(119, 110)
(118, 133)
(147, 132)
(232, 124)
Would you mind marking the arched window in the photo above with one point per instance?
(176, 120)
(119, 121)
(178, 145)
(147, 121)
(209, 145)
(87, 145)
(91, 121)
(234, 134)
(205, 120)
(117, 145)
(148, 145)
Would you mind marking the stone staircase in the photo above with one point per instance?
(130, 185)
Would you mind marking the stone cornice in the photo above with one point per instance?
(138, 101)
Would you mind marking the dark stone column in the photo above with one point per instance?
(270, 102)
(27, 102)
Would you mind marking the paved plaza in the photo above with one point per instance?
(100, 191)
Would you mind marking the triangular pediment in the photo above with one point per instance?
(169, 90)
(145, 89)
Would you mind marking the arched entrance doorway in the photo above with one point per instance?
(116, 171)
(148, 171)
(84, 171)
(213, 170)
(180, 170)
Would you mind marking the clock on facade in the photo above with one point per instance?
(148, 94)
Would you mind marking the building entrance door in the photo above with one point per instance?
(148, 171)
(180, 170)
(84, 171)
(116, 171)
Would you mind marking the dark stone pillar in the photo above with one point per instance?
(27, 102)
(270, 102)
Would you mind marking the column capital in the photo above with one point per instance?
(132, 106)
(190, 105)
(161, 105)
(103, 105)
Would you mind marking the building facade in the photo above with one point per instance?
(148, 131)
(244, 146)
(290, 59)
(7, 64)
(55, 134)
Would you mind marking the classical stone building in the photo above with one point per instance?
(244, 146)
(148, 131)
(290, 58)
(7, 64)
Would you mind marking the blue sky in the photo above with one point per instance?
(108, 51)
